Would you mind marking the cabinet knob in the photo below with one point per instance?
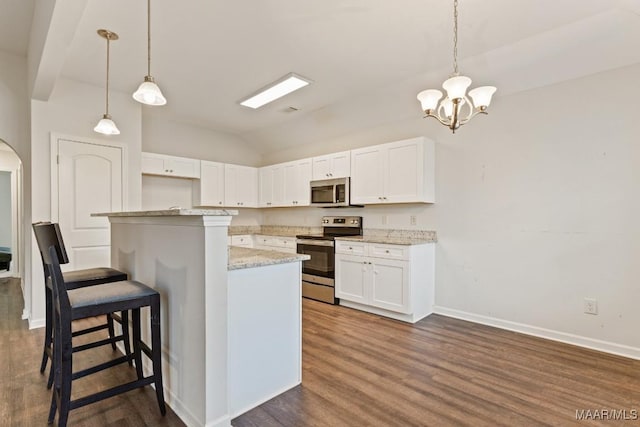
(387, 251)
(219, 203)
(350, 248)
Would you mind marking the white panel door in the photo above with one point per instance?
(403, 172)
(89, 181)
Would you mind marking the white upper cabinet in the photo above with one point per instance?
(209, 189)
(297, 176)
(336, 165)
(161, 164)
(271, 186)
(240, 186)
(397, 172)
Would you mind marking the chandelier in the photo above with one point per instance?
(455, 109)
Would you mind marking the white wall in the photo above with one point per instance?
(164, 136)
(536, 208)
(73, 110)
(14, 130)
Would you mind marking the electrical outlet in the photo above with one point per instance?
(590, 306)
(413, 220)
(384, 220)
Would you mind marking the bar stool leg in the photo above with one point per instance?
(124, 315)
(112, 332)
(137, 350)
(156, 351)
(48, 330)
(65, 372)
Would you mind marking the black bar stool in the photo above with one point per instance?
(78, 279)
(70, 305)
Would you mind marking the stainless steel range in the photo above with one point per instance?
(318, 273)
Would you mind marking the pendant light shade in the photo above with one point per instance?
(106, 125)
(149, 92)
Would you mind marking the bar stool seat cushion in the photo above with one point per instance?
(92, 276)
(116, 292)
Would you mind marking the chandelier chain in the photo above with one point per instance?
(455, 37)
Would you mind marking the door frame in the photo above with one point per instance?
(55, 189)
(16, 221)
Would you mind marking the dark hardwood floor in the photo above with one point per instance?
(24, 398)
(363, 370)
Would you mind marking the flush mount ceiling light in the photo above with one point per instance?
(284, 86)
(107, 126)
(148, 92)
(449, 111)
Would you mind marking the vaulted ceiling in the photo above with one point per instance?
(367, 58)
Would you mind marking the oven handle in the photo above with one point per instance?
(315, 242)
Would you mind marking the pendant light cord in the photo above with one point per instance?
(455, 37)
(148, 37)
(107, 97)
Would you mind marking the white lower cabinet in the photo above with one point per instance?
(243, 240)
(391, 280)
(276, 243)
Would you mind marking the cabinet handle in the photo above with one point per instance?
(350, 248)
(385, 197)
(379, 198)
(387, 251)
(219, 203)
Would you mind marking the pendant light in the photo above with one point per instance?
(148, 92)
(449, 111)
(107, 126)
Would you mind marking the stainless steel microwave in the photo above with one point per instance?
(330, 193)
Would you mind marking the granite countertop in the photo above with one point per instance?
(240, 258)
(394, 237)
(172, 212)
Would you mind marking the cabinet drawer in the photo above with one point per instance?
(353, 248)
(242, 240)
(389, 251)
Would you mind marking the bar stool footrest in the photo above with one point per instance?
(100, 367)
(105, 394)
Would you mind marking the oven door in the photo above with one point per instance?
(322, 262)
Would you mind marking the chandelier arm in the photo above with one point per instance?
(438, 118)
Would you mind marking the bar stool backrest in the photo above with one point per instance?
(51, 247)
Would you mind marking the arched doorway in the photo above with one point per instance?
(11, 203)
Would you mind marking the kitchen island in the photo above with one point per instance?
(231, 331)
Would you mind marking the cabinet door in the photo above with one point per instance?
(321, 167)
(240, 186)
(152, 164)
(297, 176)
(303, 192)
(336, 165)
(403, 172)
(341, 164)
(278, 186)
(265, 186)
(366, 175)
(390, 285)
(183, 167)
(352, 273)
(209, 189)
